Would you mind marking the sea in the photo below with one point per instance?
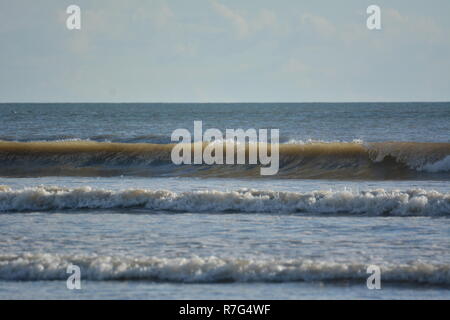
(92, 185)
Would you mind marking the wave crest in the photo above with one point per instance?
(38, 267)
(356, 160)
(414, 202)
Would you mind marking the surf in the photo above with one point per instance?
(378, 202)
(211, 269)
(318, 160)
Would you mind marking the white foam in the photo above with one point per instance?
(416, 202)
(439, 166)
(315, 141)
(35, 267)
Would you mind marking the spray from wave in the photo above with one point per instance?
(38, 267)
(373, 203)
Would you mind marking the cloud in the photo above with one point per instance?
(295, 66)
(320, 24)
(246, 26)
(160, 16)
(238, 21)
(102, 24)
(186, 49)
(412, 27)
(265, 19)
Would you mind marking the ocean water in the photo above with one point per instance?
(93, 185)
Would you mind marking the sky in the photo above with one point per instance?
(224, 51)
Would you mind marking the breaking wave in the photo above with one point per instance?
(439, 166)
(39, 267)
(378, 202)
(315, 160)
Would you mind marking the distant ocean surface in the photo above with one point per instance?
(93, 185)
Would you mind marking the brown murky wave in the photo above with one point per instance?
(369, 161)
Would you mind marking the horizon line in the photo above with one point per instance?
(221, 102)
